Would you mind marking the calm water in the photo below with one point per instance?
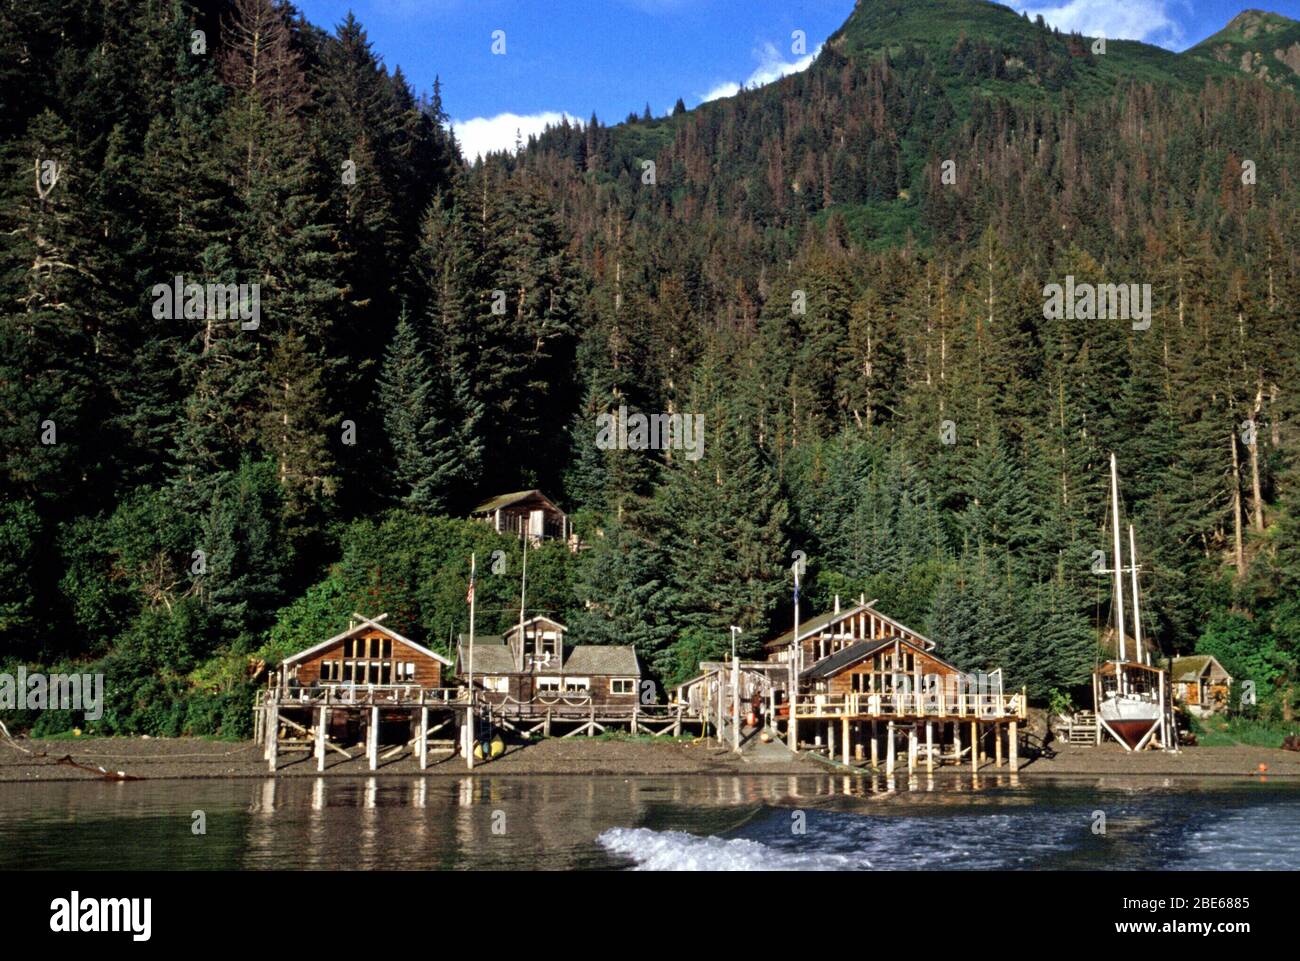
(657, 823)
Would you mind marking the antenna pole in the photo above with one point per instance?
(1119, 564)
(1137, 613)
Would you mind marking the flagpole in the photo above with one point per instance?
(469, 711)
(792, 728)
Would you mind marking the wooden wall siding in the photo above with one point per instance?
(874, 674)
(367, 647)
(523, 688)
(862, 626)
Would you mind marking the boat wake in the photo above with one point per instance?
(679, 851)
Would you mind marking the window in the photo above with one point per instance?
(577, 683)
(501, 685)
(408, 670)
(622, 685)
(545, 684)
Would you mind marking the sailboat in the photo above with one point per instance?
(1130, 695)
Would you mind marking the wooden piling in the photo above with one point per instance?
(889, 749)
(997, 744)
(974, 746)
(1014, 745)
(372, 739)
(322, 726)
(424, 737)
(929, 747)
(273, 735)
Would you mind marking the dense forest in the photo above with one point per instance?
(842, 272)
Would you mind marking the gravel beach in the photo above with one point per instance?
(196, 758)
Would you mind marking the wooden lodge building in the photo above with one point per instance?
(366, 684)
(854, 681)
(525, 514)
(531, 674)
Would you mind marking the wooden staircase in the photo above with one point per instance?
(1082, 728)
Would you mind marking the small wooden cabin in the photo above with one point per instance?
(531, 666)
(1201, 684)
(524, 514)
(367, 654)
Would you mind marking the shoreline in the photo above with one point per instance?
(194, 758)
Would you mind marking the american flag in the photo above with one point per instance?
(469, 595)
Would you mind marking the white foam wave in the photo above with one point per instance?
(679, 851)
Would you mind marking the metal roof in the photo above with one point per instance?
(506, 500)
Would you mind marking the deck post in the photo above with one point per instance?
(997, 744)
(875, 746)
(856, 727)
(889, 749)
(546, 725)
(424, 736)
(911, 750)
(677, 722)
(929, 747)
(844, 730)
(830, 739)
(591, 725)
(372, 738)
(1014, 745)
(956, 740)
(735, 704)
(273, 734)
(974, 746)
(322, 725)
(634, 713)
(721, 698)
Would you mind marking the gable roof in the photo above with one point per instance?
(514, 629)
(602, 659)
(1196, 666)
(819, 623)
(489, 658)
(367, 624)
(507, 500)
(848, 656)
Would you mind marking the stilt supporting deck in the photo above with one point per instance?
(929, 747)
(424, 738)
(911, 750)
(372, 739)
(956, 740)
(1014, 745)
(322, 725)
(997, 743)
(889, 749)
(974, 747)
(847, 738)
(272, 735)
(875, 747)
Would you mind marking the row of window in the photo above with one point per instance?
(367, 672)
(566, 685)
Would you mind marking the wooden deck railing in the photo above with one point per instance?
(348, 695)
(899, 704)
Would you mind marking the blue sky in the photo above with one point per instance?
(573, 57)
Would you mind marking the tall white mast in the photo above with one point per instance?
(1137, 612)
(1119, 560)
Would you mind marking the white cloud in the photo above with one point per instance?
(1117, 19)
(771, 67)
(483, 135)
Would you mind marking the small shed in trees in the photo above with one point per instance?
(1201, 684)
(525, 514)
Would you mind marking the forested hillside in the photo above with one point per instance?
(843, 272)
